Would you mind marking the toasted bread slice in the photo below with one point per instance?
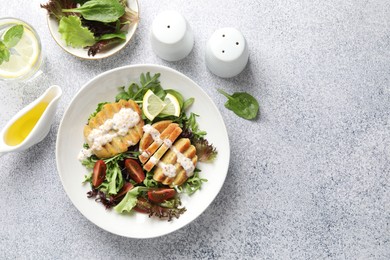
(181, 159)
(120, 143)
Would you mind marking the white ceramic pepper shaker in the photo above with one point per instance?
(171, 36)
(227, 52)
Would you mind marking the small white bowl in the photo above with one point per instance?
(227, 52)
(83, 52)
(171, 36)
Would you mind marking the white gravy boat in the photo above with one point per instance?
(42, 127)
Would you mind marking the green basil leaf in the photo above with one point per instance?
(4, 53)
(106, 11)
(13, 36)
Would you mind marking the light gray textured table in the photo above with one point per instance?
(308, 180)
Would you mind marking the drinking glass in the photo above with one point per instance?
(25, 58)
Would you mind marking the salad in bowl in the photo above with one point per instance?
(92, 29)
(143, 149)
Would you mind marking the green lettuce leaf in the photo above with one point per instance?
(114, 177)
(129, 201)
(74, 34)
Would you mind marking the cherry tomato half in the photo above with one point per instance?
(122, 192)
(135, 171)
(99, 173)
(160, 195)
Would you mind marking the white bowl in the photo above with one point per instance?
(83, 53)
(70, 140)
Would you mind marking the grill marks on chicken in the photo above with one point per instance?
(113, 129)
(173, 160)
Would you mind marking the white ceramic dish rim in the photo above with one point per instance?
(83, 53)
(198, 202)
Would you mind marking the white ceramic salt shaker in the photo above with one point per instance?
(227, 52)
(171, 36)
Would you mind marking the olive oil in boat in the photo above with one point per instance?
(22, 127)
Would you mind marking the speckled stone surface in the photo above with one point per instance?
(309, 179)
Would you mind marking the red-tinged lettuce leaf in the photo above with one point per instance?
(54, 8)
(99, 28)
(145, 206)
(103, 45)
(130, 16)
(206, 152)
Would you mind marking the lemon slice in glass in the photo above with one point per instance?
(172, 106)
(23, 57)
(152, 105)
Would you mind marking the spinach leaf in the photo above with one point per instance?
(242, 104)
(105, 11)
(109, 36)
